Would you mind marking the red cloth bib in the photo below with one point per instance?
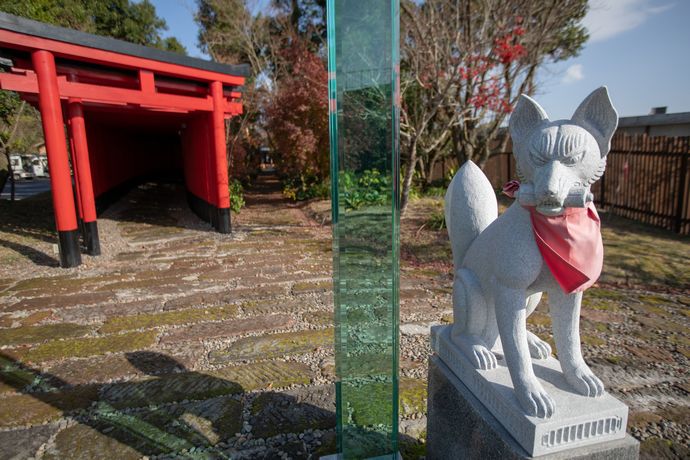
(570, 244)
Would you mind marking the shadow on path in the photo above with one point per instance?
(165, 414)
(36, 256)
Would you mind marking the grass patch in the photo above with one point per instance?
(592, 340)
(413, 396)
(638, 254)
(38, 334)
(21, 410)
(27, 229)
(539, 319)
(178, 317)
(309, 287)
(169, 388)
(79, 348)
(436, 221)
(274, 345)
(614, 359)
(269, 374)
(13, 376)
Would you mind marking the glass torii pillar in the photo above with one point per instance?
(363, 64)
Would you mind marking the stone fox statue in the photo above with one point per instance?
(547, 241)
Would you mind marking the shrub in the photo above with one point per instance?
(236, 195)
(435, 191)
(436, 221)
(365, 189)
(305, 187)
(297, 117)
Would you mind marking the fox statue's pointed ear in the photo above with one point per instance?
(597, 115)
(526, 116)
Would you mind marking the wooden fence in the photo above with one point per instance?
(646, 179)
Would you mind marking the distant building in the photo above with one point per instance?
(658, 123)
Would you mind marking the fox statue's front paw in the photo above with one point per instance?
(538, 349)
(584, 382)
(534, 399)
(476, 351)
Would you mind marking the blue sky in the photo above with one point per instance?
(640, 49)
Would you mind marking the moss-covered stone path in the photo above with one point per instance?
(179, 342)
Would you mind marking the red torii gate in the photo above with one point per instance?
(131, 110)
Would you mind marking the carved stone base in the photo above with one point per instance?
(579, 423)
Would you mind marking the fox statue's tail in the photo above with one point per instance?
(470, 206)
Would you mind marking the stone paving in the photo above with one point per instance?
(179, 342)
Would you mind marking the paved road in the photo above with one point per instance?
(26, 188)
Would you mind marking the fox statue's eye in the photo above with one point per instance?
(572, 160)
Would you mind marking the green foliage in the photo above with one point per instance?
(221, 25)
(450, 174)
(305, 187)
(173, 44)
(236, 195)
(435, 192)
(66, 13)
(415, 191)
(127, 20)
(9, 103)
(436, 221)
(366, 189)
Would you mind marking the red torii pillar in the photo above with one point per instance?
(82, 173)
(222, 223)
(56, 146)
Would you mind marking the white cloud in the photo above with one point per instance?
(608, 18)
(573, 73)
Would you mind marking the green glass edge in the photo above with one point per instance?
(333, 138)
(395, 211)
(395, 216)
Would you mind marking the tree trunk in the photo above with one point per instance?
(463, 152)
(407, 180)
(504, 142)
(6, 148)
(423, 173)
(4, 171)
(12, 185)
(463, 148)
(432, 164)
(482, 155)
(10, 175)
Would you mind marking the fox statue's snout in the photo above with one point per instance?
(551, 188)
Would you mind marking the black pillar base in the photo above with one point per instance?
(70, 254)
(219, 218)
(91, 240)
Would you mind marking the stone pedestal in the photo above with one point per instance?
(475, 414)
